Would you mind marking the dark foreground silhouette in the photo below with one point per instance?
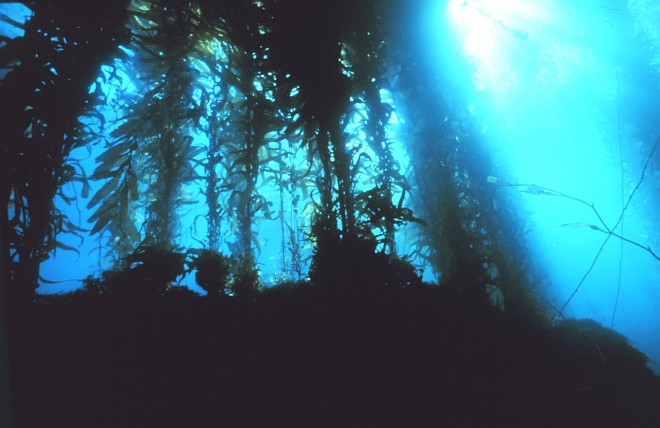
(304, 356)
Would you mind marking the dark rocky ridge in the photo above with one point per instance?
(304, 356)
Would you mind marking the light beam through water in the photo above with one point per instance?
(557, 90)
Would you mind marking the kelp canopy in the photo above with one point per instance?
(318, 118)
(189, 138)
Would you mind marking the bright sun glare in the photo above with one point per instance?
(485, 27)
(553, 86)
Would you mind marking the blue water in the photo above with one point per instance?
(566, 97)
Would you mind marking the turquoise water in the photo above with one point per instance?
(568, 99)
(565, 97)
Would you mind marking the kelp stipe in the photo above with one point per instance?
(44, 93)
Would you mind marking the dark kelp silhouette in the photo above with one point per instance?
(293, 95)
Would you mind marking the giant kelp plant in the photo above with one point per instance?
(192, 134)
(223, 103)
(45, 93)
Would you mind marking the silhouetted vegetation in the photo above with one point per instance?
(45, 92)
(215, 104)
(212, 272)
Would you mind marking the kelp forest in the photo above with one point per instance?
(285, 218)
